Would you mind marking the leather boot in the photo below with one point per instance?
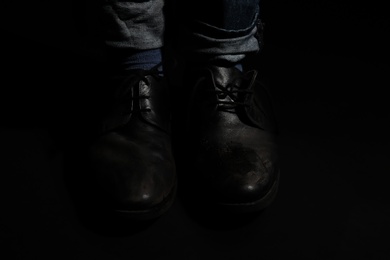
(131, 160)
(232, 130)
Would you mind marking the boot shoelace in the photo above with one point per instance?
(234, 92)
(131, 83)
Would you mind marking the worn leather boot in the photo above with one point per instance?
(232, 131)
(131, 160)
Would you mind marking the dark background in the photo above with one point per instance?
(327, 63)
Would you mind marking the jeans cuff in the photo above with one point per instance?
(204, 41)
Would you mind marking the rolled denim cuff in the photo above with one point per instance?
(217, 44)
(137, 25)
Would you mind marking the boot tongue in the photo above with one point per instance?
(223, 76)
(226, 82)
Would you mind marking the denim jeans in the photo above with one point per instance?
(223, 30)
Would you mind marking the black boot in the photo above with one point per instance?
(131, 161)
(232, 129)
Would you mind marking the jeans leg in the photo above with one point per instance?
(133, 24)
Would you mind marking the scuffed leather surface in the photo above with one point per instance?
(132, 158)
(236, 151)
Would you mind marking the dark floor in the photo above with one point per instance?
(333, 202)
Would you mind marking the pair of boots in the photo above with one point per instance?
(223, 125)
